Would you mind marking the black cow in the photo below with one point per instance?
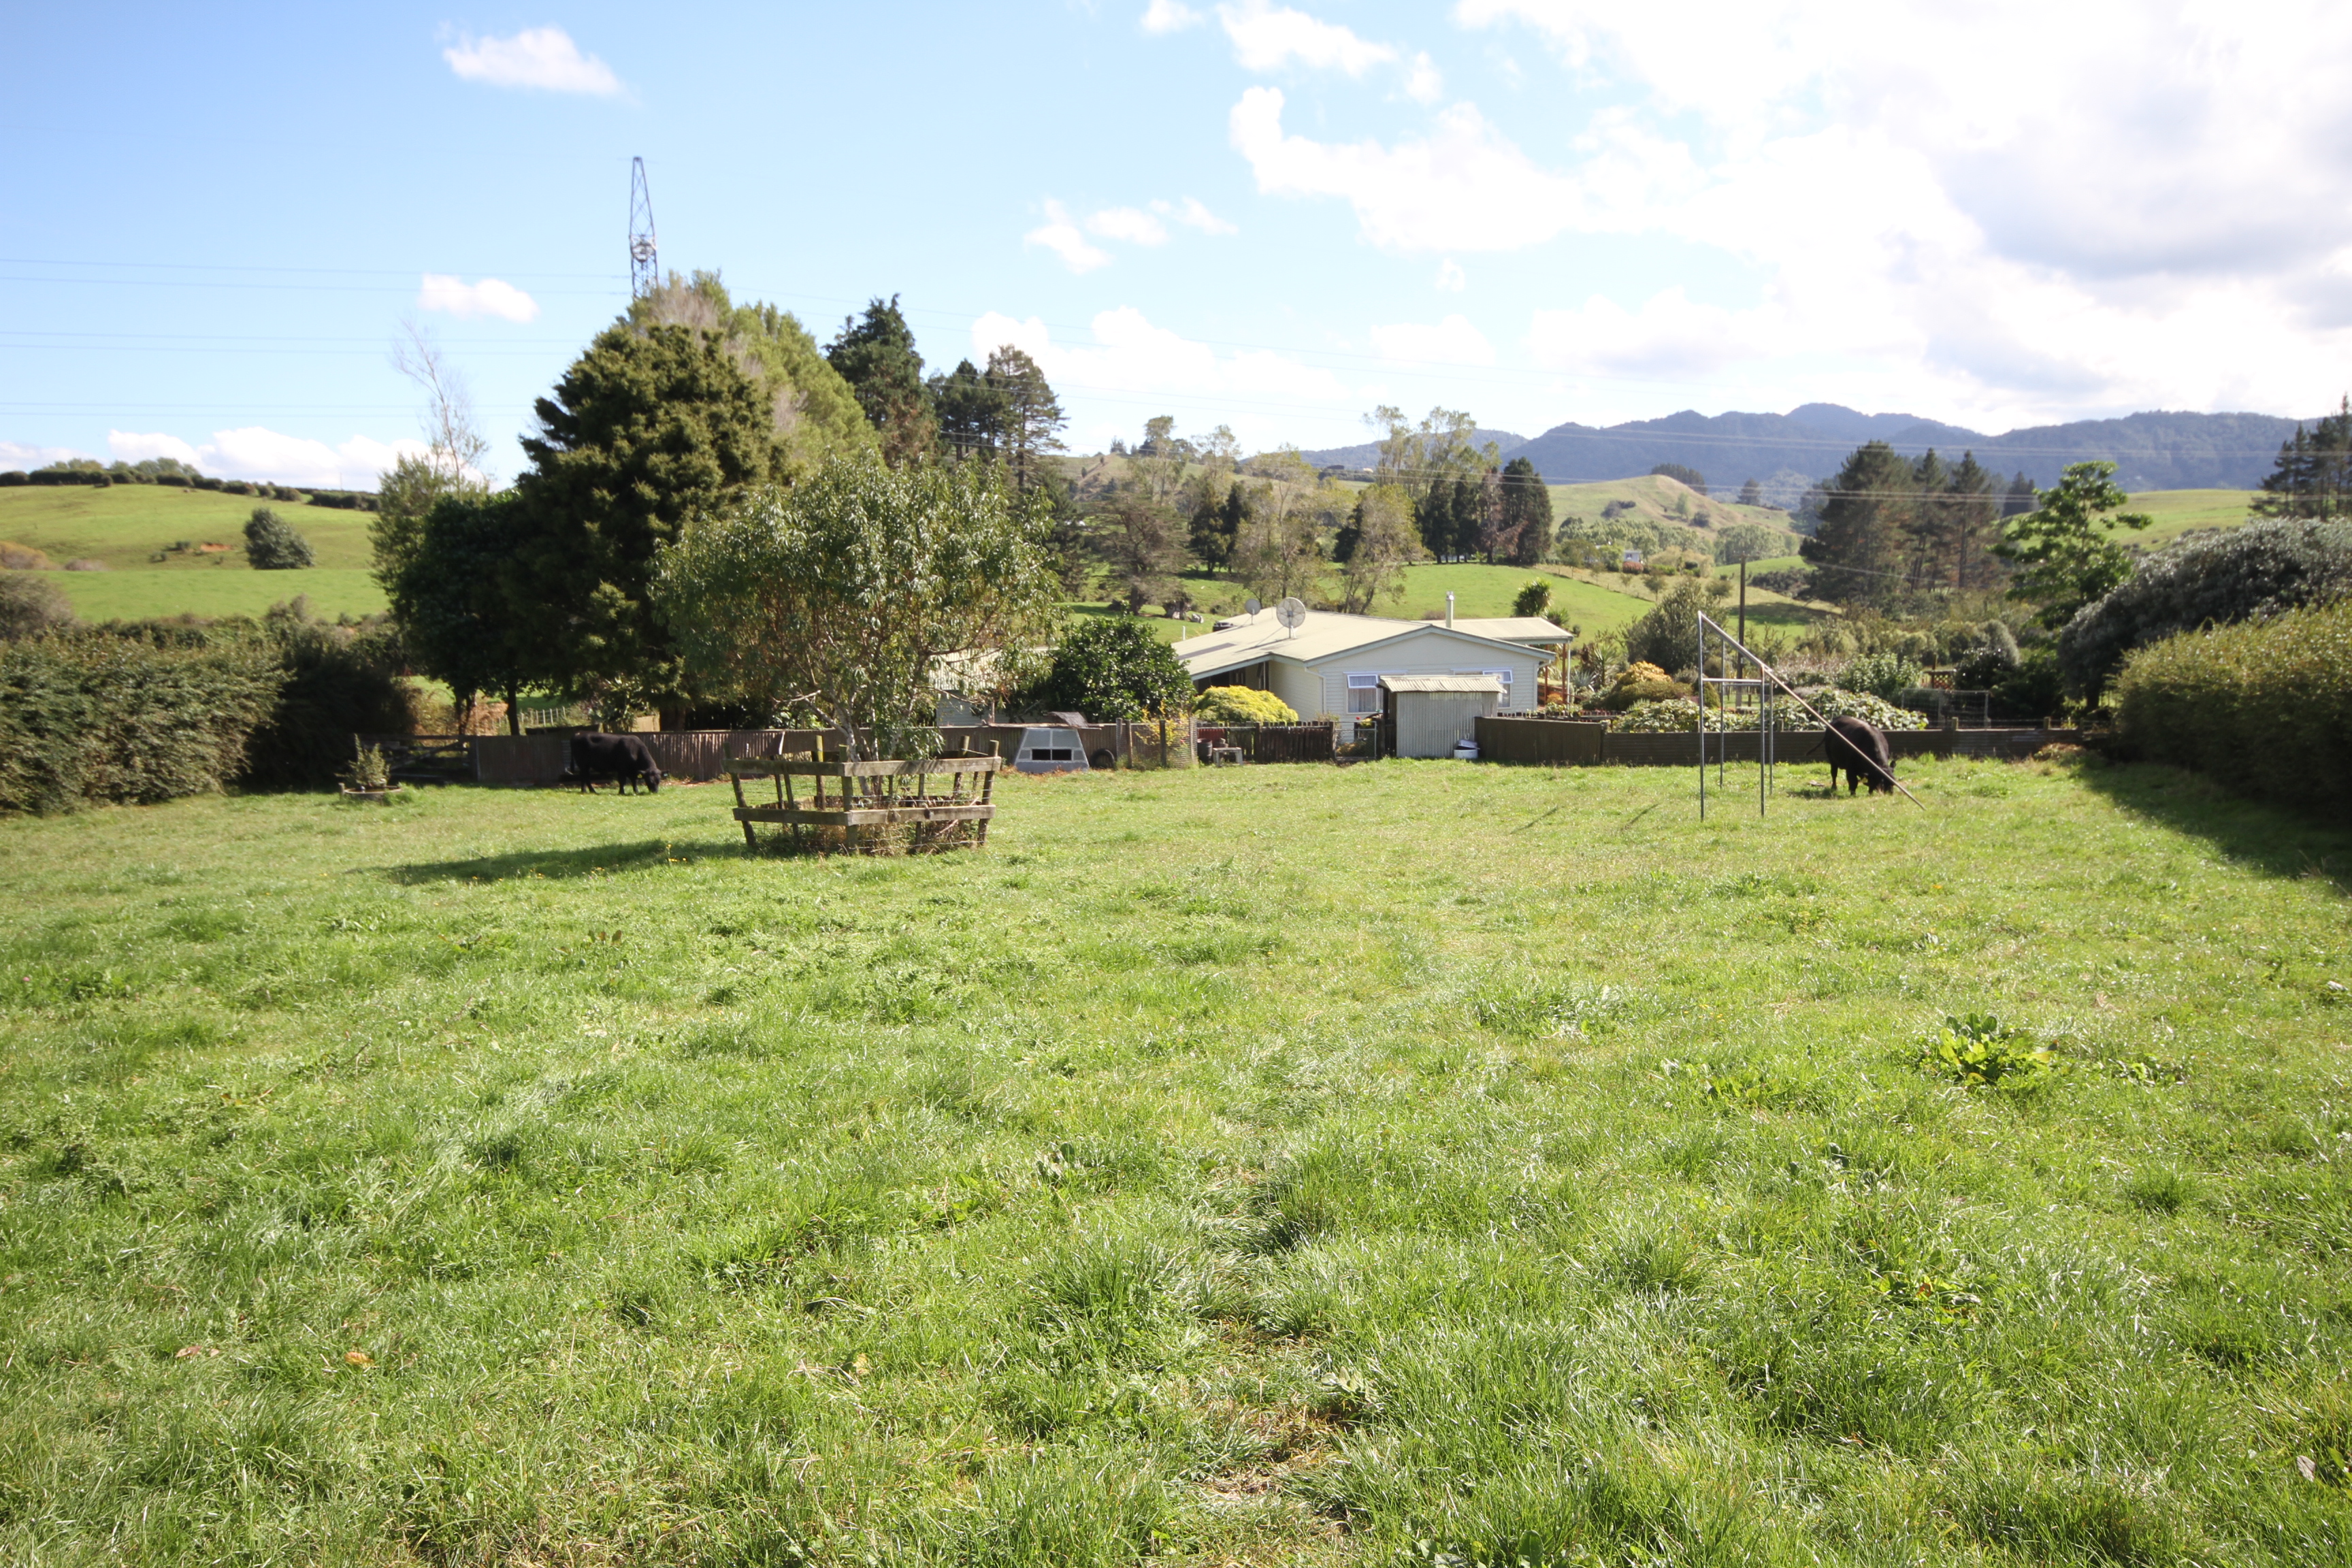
(624, 759)
(1860, 748)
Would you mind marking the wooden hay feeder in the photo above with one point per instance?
(911, 806)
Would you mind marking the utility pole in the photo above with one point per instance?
(1743, 601)
(644, 261)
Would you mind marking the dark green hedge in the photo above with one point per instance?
(97, 718)
(2265, 707)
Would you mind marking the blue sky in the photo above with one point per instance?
(1263, 215)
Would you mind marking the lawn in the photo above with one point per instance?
(217, 591)
(1414, 1163)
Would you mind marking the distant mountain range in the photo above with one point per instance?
(2157, 451)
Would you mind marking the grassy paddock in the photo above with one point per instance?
(1412, 1162)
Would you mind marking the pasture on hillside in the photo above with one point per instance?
(1414, 1161)
(124, 526)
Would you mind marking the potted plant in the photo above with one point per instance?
(369, 777)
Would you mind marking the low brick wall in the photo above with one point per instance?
(1568, 742)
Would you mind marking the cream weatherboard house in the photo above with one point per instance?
(1330, 665)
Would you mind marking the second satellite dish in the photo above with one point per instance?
(1253, 606)
(1291, 614)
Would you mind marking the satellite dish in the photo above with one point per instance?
(1253, 608)
(1291, 613)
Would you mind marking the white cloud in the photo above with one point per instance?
(1169, 16)
(1062, 237)
(1669, 336)
(1453, 341)
(454, 296)
(256, 453)
(16, 455)
(1192, 215)
(1451, 278)
(1127, 224)
(1129, 355)
(1465, 187)
(2125, 214)
(1266, 39)
(543, 58)
(1423, 82)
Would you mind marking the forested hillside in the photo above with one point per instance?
(2155, 452)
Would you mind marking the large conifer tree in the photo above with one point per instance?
(1859, 553)
(876, 354)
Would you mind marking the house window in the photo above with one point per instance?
(1363, 693)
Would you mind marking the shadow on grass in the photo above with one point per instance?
(557, 864)
(2278, 839)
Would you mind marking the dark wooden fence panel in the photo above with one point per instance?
(1559, 742)
(1805, 745)
(1276, 742)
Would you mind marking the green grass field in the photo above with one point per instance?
(124, 526)
(217, 591)
(1414, 1163)
(2178, 511)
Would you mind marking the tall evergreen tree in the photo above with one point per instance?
(1467, 512)
(1217, 524)
(1860, 551)
(1432, 518)
(1033, 418)
(876, 355)
(1525, 526)
(455, 597)
(973, 412)
(646, 429)
(1971, 518)
(2019, 499)
(2314, 477)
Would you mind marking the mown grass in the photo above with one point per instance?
(1410, 1162)
(237, 590)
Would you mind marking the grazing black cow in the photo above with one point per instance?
(624, 759)
(1860, 748)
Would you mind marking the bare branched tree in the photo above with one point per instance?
(457, 443)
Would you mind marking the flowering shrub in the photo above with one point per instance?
(1673, 715)
(1836, 703)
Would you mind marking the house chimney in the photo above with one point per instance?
(1449, 611)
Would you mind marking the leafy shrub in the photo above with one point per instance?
(1982, 1052)
(337, 682)
(23, 558)
(1667, 636)
(15, 476)
(1672, 715)
(1883, 675)
(85, 564)
(2243, 575)
(1794, 581)
(1242, 705)
(31, 605)
(104, 717)
(1534, 599)
(1114, 668)
(1990, 662)
(2264, 706)
(272, 545)
(1836, 703)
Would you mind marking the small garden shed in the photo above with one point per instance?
(1429, 715)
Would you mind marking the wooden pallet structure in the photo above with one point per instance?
(919, 804)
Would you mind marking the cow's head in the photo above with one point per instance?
(653, 776)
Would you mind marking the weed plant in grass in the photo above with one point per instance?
(1413, 1162)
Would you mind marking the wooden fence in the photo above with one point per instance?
(1577, 743)
(1274, 743)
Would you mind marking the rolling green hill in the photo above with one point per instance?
(127, 527)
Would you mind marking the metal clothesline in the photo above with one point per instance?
(1768, 686)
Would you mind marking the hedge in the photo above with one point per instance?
(2264, 706)
(92, 717)
(2243, 575)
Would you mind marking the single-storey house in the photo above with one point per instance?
(1331, 665)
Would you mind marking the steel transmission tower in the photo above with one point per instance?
(644, 261)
